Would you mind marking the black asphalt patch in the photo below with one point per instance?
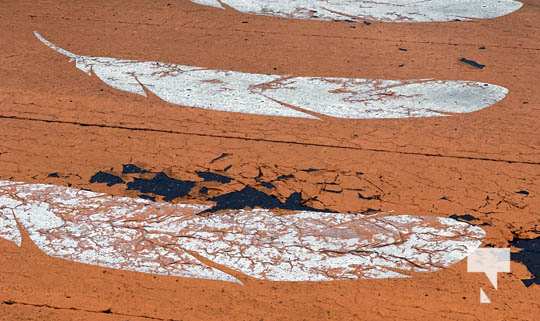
(159, 186)
(250, 197)
(162, 185)
(267, 184)
(214, 177)
(528, 256)
(203, 190)
(106, 178)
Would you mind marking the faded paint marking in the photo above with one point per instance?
(139, 235)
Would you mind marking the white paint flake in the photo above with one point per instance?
(288, 96)
(388, 11)
(139, 235)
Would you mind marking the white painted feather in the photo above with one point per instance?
(388, 11)
(278, 95)
(139, 235)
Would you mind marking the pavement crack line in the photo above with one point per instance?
(106, 311)
(266, 140)
(265, 32)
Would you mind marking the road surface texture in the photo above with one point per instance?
(127, 192)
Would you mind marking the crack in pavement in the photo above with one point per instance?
(315, 35)
(106, 311)
(274, 141)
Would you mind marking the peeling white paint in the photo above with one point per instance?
(313, 246)
(278, 95)
(139, 235)
(388, 11)
(8, 225)
(88, 227)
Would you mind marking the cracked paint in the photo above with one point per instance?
(288, 96)
(387, 11)
(8, 225)
(97, 229)
(313, 246)
(166, 239)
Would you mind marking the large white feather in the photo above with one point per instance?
(139, 235)
(389, 11)
(278, 95)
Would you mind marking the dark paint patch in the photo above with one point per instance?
(109, 179)
(55, 175)
(133, 169)
(250, 197)
(472, 63)
(310, 170)
(294, 202)
(523, 192)
(162, 185)
(247, 197)
(463, 218)
(528, 256)
(203, 190)
(214, 177)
